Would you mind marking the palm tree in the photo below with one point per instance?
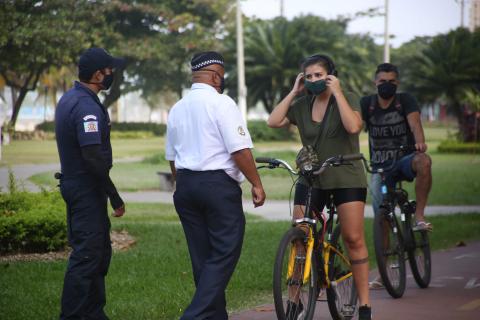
(275, 48)
(447, 68)
(55, 80)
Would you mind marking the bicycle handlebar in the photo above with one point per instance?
(266, 160)
(407, 148)
(333, 161)
(275, 163)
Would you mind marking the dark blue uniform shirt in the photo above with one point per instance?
(81, 120)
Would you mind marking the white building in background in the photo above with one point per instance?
(474, 15)
(132, 108)
(35, 110)
(129, 108)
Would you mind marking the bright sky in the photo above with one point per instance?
(408, 18)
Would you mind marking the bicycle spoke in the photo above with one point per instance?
(341, 295)
(419, 257)
(390, 254)
(294, 286)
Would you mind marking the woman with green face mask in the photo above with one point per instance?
(330, 121)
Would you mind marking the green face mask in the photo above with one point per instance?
(316, 87)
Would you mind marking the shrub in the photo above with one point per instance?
(259, 131)
(32, 222)
(33, 135)
(47, 126)
(158, 129)
(131, 134)
(452, 146)
(157, 158)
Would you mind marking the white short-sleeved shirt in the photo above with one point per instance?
(204, 128)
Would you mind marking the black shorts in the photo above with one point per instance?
(320, 197)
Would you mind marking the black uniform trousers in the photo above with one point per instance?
(83, 295)
(209, 204)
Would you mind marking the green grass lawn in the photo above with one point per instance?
(456, 178)
(45, 151)
(153, 280)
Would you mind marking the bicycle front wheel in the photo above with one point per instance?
(418, 250)
(294, 287)
(389, 252)
(342, 294)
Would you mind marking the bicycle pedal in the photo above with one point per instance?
(348, 310)
(294, 282)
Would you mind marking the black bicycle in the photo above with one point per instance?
(312, 256)
(393, 237)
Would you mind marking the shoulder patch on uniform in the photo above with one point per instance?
(90, 126)
(241, 131)
(89, 117)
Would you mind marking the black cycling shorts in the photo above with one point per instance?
(320, 197)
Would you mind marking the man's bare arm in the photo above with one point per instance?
(173, 170)
(244, 161)
(415, 123)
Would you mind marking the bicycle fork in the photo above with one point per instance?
(294, 257)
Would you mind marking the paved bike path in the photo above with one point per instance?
(454, 292)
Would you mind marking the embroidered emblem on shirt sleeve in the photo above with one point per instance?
(241, 131)
(89, 117)
(90, 126)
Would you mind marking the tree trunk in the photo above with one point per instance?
(28, 85)
(17, 104)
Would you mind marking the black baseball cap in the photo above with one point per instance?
(94, 59)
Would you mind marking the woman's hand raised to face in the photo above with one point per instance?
(299, 84)
(334, 84)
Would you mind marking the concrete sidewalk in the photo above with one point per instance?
(454, 292)
(271, 210)
(280, 209)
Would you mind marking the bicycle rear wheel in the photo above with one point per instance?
(389, 252)
(418, 250)
(291, 294)
(342, 294)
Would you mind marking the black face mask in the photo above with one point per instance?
(387, 90)
(107, 81)
(222, 85)
(222, 81)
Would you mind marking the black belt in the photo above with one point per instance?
(192, 172)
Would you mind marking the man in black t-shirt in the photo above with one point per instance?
(393, 120)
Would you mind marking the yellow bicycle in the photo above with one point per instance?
(312, 257)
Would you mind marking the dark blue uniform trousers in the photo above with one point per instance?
(83, 295)
(209, 204)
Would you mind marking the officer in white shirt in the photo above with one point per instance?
(208, 146)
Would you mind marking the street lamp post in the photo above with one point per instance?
(386, 46)
(242, 89)
(462, 11)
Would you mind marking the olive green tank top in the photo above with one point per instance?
(333, 140)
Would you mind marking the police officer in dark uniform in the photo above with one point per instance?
(82, 128)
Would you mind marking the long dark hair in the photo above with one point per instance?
(321, 59)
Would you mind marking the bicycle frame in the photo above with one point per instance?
(312, 244)
(391, 198)
(310, 256)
